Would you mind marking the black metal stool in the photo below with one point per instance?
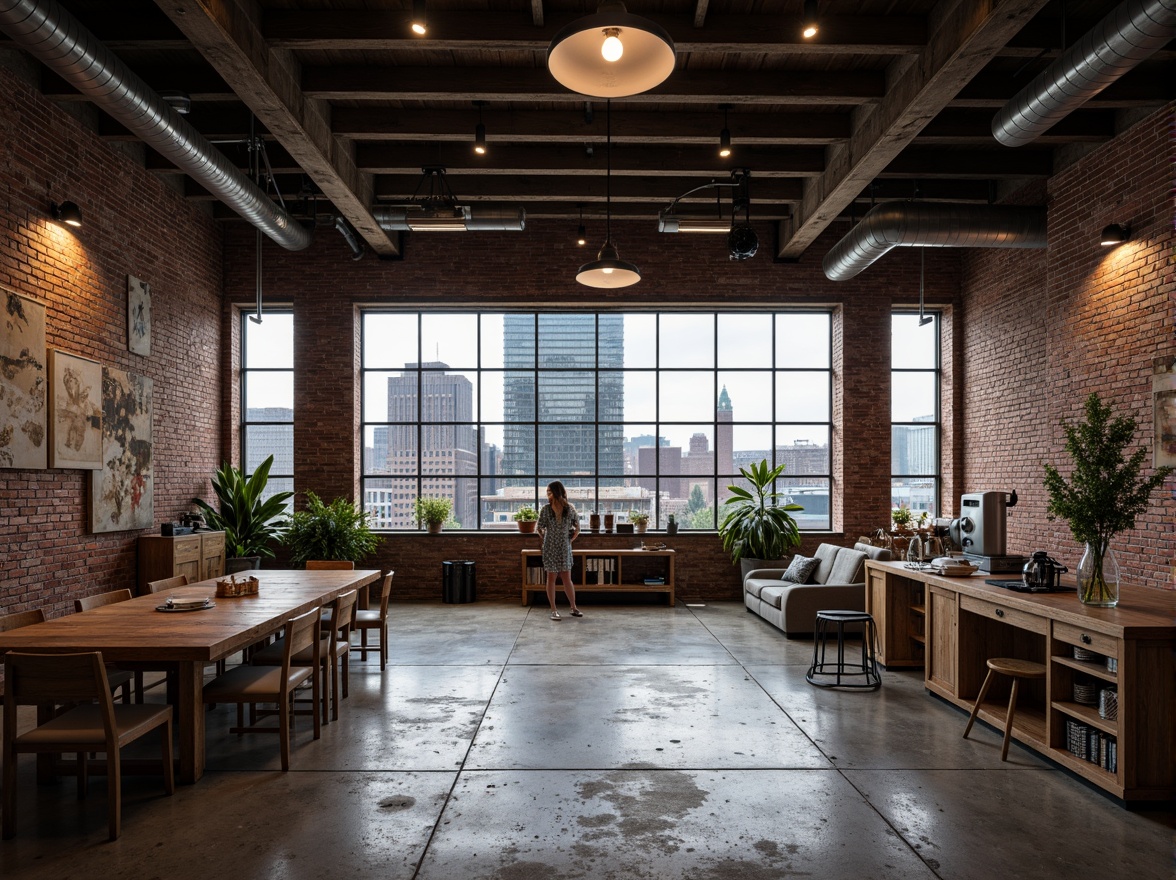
(867, 669)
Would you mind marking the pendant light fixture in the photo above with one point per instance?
(581, 235)
(812, 22)
(725, 135)
(419, 23)
(608, 269)
(480, 131)
(611, 54)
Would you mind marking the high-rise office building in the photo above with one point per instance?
(563, 417)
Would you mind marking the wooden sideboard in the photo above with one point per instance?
(605, 571)
(951, 626)
(200, 555)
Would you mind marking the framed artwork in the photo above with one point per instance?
(75, 406)
(122, 493)
(24, 384)
(1164, 409)
(138, 316)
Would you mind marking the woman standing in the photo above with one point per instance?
(559, 525)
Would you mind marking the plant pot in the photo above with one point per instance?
(526, 525)
(639, 528)
(609, 519)
(241, 563)
(435, 528)
(1098, 576)
(671, 528)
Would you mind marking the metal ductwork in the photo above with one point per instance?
(58, 40)
(1131, 33)
(458, 218)
(930, 224)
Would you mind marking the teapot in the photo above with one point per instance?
(1042, 572)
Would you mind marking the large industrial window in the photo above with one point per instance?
(914, 413)
(267, 396)
(633, 412)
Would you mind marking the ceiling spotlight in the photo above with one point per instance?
(611, 54)
(811, 24)
(480, 131)
(608, 269)
(1114, 234)
(67, 212)
(725, 135)
(420, 23)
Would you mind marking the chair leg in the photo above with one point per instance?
(169, 769)
(1008, 733)
(284, 718)
(316, 696)
(979, 699)
(114, 793)
(346, 673)
(334, 690)
(9, 808)
(363, 645)
(83, 779)
(383, 646)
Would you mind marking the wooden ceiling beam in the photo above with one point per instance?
(398, 189)
(268, 81)
(964, 36)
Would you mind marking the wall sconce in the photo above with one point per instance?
(67, 212)
(1114, 234)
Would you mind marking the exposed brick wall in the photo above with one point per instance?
(1045, 329)
(133, 225)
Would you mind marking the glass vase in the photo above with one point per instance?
(1098, 575)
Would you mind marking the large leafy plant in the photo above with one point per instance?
(338, 530)
(250, 523)
(1105, 492)
(756, 525)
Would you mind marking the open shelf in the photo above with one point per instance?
(1087, 715)
(1098, 670)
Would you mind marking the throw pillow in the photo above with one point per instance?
(800, 569)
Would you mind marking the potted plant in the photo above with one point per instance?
(335, 531)
(671, 525)
(249, 521)
(902, 517)
(432, 512)
(756, 529)
(527, 518)
(640, 520)
(1103, 496)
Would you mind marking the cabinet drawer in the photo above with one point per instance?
(214, 543)
(1011, 616)
(186, 549)
(1085, 638)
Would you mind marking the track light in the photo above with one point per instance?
(67, 212)
(480, 131)
(812, 23)
(1114, 234)
(725, 135)
(611, 54)
(420, 23)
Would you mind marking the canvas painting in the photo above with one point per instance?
(122, 493)
(138, 316)
(75, 402)
(1164, 406)
(24, 435)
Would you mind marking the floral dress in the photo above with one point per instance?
(557, 537)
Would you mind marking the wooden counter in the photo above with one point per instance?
(951, 626)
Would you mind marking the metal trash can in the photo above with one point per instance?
(458, 581)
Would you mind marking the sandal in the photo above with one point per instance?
(577, 613)
(555, 615)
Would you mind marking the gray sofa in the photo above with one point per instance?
(839, 582)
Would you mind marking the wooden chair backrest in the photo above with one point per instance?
(301, 632)
(90, 602)
(385, 592)
(180, 580)
(329, 565)
(342, 614)
(21, 618)
(32, 679)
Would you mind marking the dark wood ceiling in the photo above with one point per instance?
(893, 99)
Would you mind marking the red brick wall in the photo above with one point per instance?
(1045, 329)
(135, 226)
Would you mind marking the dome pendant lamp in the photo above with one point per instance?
(608, 269)
(611, 54)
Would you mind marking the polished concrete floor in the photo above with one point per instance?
(636, 742)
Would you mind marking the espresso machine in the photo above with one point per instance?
(981, 531)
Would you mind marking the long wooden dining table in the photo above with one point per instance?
(135, 632)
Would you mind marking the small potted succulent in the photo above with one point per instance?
(526, 517)
(639, 519)
(432, 512)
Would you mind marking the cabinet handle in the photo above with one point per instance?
(1000, 612)
(1085, 639)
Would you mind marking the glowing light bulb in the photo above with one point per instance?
(612, 50)
(419, 28)
(810, 31)
(607, 270)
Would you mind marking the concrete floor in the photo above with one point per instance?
(636, 742)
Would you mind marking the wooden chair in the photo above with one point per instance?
(369, 619)
(135, 673)
(1016, 670)
(274, 684)
(96, 726)
(329, 565)
(160, 586)
(334, 649)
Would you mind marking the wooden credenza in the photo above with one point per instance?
(951, 626)
(200, 556)
(606, 571)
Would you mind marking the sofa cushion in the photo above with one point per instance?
(800, 569)
(753, 586)
(881, 554)
(848, 567)
(826, 553)
(771, 595)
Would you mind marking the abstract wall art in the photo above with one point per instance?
(24, 436)
(75, 405)
(122, 492)
(138, 316)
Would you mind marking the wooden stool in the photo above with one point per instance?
(1015, 669)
